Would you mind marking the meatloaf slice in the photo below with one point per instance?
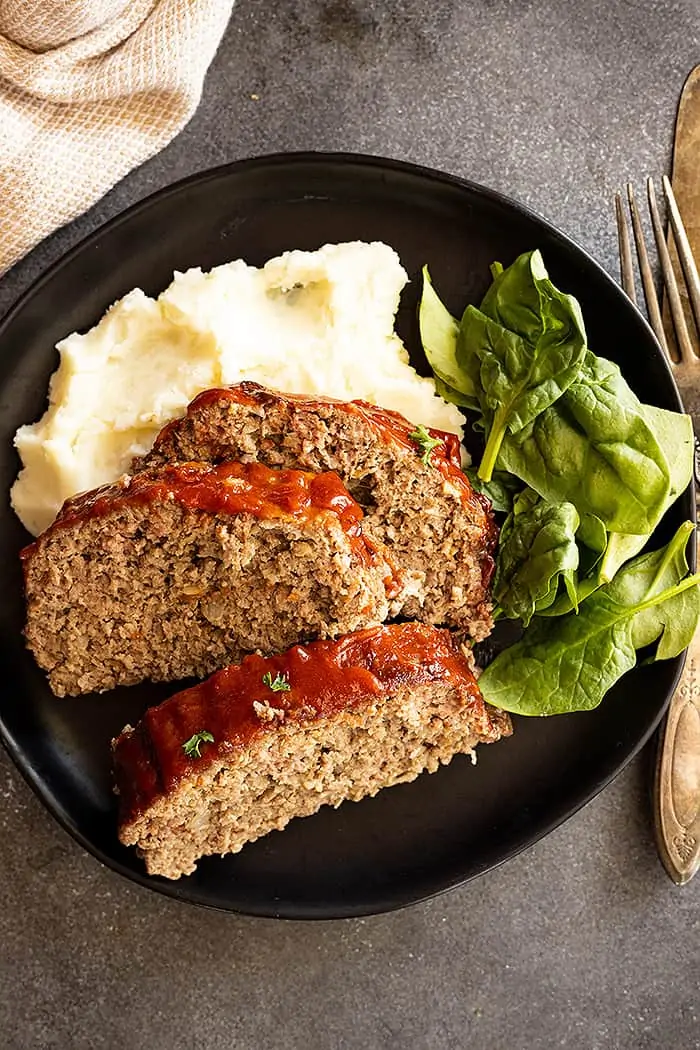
(180, 570)
(416, 501)
(223, 763)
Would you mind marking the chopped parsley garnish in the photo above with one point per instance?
(191, 746)
(278, 684)
(425, 443)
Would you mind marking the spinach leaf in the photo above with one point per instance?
(438, 332)
(568, 664)
(562, 665)
(566, 603)
(500, 490)
(591, 539)
(537, 550)
(653, 573)
(592, 534)
(674, 432)
(523, 298)
(521, 350)
(448, 393)
(596, 449)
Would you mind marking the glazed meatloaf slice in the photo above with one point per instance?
(416, 499)
(180, 570)
(240, 755)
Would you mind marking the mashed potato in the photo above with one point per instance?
(308, 323)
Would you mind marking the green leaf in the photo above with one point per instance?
(568, 664)
(592, 540)
(191, 747)
(595, 448)
(673, 622)
(585, 441)
(521, 350)
(537, 549)
(524, 299)
(562, 665)
(592, 534)
(582, 588)
(674, 433)
(422, 437)
(500, 490)
(455, 397)
(438, 332)
(278, 684)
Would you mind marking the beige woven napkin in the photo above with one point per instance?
(88, 90)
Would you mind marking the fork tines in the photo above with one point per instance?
(690, 271)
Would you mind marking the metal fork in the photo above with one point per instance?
(677, 776)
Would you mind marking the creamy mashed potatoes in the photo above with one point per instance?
(306, 323)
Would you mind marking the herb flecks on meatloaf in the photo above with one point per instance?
(417, 501)
(372, 709)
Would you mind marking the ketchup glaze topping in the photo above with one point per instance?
(391, 426)
(324, 678)
(229, 488)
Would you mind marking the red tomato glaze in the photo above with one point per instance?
(324, 678)
(229, 488)
(390, 426)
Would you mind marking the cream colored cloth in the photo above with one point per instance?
(88, 90)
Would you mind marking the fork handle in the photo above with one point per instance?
(677, 780)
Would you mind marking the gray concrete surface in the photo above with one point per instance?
(581, 942)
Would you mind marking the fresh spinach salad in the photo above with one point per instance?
(583, 472)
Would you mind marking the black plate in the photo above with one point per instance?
(418, 839)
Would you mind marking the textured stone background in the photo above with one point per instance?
(581, 942)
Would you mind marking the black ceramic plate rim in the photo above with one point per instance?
(399, 900)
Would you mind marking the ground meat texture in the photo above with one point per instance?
(373, 709)
(165, 575)
(437, 529)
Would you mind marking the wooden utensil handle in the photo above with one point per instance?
(677, 780)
